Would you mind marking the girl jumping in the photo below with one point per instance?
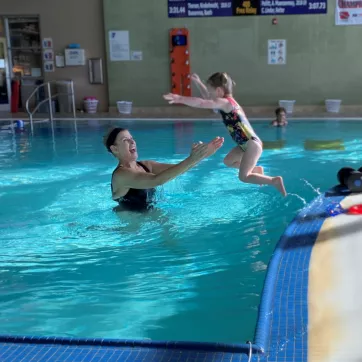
(249, 147)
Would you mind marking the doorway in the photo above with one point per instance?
(4, 76)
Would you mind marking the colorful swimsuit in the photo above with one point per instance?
(238, 126)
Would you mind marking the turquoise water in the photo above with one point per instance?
(191, 270)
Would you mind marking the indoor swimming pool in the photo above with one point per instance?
(192, 269)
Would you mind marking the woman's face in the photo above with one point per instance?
(124, 147)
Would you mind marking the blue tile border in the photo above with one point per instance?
(51, 353)
(191, 346)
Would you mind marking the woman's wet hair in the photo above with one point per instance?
(221, 80)
(110, 138)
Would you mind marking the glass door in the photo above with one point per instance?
(4, 78)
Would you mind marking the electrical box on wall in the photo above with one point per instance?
(180, 61)
(74, 57)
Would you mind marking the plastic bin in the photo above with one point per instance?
(333, 105)
(90, 104)
(287, 104)
(124, 107)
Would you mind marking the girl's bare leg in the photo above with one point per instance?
(248, 163)
(233, 159)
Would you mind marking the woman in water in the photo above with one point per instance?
(249, 146)
(133, 182)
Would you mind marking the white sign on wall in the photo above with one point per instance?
(348, 12)
(74, 57)
(277, 51)
(48, 55)
(119, 45)
(49, 66)
(136, 55)
(47, 43)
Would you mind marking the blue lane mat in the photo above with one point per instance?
(281, 332)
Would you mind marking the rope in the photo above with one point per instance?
(250, 350)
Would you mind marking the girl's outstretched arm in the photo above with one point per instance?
(200, 86)
(195, 102)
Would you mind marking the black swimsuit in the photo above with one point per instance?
(136, 199)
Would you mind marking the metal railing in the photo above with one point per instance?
(49, 100)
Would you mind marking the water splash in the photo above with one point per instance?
(295, 334)
(300, 198)
(317, 191)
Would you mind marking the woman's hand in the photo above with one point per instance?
(200, 150)
(172, 98)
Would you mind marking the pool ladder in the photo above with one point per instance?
(49, 100)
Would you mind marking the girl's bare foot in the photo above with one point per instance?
(278, 183)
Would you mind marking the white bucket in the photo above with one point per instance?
(91, 105)
(124, 107)
(287, 104)
(333, 105)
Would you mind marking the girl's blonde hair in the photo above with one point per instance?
(221, 80)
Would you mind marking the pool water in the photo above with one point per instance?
(193, 269)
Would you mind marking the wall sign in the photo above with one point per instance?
(136, 55)
(48, 55)
(215, 8)
(49, 66)
(277, 51)
(348, 12)
(47, 43)
(119, 49)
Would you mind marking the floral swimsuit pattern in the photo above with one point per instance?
(239, 128)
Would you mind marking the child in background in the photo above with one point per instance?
(281, 118)
(249, 147)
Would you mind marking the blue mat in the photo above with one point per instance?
(281, 332)
(282, 328)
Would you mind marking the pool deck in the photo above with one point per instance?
(310, 306)
(186, 113)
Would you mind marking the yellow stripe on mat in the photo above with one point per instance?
(335, 289)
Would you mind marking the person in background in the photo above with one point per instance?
(281, 118)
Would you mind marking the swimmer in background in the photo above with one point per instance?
(281, 118)
(217, 94)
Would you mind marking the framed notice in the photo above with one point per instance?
(348, 12)
(119, 45)
(277, 52)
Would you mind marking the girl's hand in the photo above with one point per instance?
(172, 98)
(195, 78)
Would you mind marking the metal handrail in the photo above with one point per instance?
(49, 100)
